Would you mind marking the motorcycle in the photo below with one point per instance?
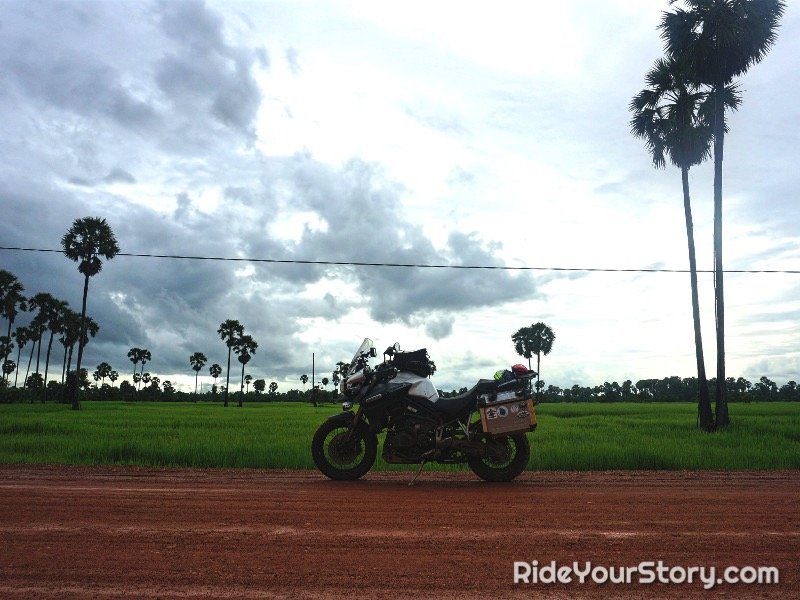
(485, 427)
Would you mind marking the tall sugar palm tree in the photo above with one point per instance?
(229, 331)
(672, 116)
(144, 357)
(536, 339)
(215, 371)
(197, 361)
(720, 40)
(56, 321)
(86, 241)
(245, 346)
(11, 299)
(135, 355)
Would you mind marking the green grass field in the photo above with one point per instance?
(569, 437)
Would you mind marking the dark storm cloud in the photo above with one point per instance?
(367, 223)
(204, 72)
(179, 85)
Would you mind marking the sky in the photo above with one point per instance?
(460, 133)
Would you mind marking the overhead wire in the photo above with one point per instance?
(410, 265)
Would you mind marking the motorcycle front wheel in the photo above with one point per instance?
(340, 458)
(505, 459)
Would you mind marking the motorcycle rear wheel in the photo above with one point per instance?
(340, 459)
(509, 459)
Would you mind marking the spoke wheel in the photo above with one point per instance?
(506, 457)
(340, 458)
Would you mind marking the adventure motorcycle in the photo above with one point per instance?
(484, 427)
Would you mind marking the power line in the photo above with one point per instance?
(409, 265)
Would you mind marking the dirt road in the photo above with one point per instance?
(106, 532)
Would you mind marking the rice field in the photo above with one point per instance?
(278, 435)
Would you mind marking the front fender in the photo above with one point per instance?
(347, 417)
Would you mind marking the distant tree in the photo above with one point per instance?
(9, 366)
(85, 242)
(144, 357)
(103, 370)
(136, 379)
(135, 355)
(325, 382)
(34, 382)
(168, 388)
(273, 387)
(229, 331)
(259, 385)
(244, 347)
(145, 378)
(11, 300)
(6, 348)
(197, 361)
(536, 339)
(304, 379)
(215, 370)
(248, 379)
(720, 40)
(113, 376)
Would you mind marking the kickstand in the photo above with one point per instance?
(410, 483)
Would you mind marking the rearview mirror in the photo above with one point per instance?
(372, 352)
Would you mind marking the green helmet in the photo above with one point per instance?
(498, 375)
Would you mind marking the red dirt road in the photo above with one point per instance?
(108, 532)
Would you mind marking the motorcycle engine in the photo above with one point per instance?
(408, 441)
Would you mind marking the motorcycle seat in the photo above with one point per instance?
(452, 407)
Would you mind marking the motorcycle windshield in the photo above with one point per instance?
(365, 346)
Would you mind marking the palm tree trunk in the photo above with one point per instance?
(241, 388)
(47, 364)
(196, 373)
(5, 360)
(30, 361)
(719, 296)
(64, 366)
(76, 404)
(704, 414)
(228, 376)
(16, 372)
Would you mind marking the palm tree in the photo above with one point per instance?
(245, 347)
(11, 299)
(57, 311)
(85, 242)
(135, 355)
(229, 331)
(113, 376)
(9, 367)
(215, 370)
(273, 387)
(198, 361)
(720, 40)
(537, 339)
(304, 379)
(6, 348)
(248, 379)
(144, 357)
(671, 115)
(103, 370)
